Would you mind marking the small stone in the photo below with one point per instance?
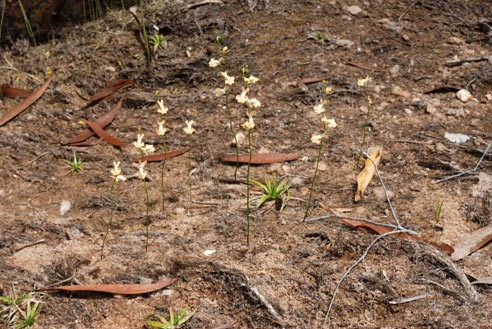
(73, 233)
(354, 10)
(405, 38)
(394, 70)
(408, 111)
(286, 169)
(275, 168)
(431, 109)
(209, 252)
(110, 69)
(489, 97)
(463, 95)
(363, 109)
(400, 92)
(305, 158)
(64, 207)
(322, 166)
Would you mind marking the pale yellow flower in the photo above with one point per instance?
(250, 124)
(213, 62)
(319, 108)
(369, 100)
(161, 131)
(219, 92)
(162, 109)
(189, 130)
(228, 79)
(139, 144)
(243, 98)
(251, 79)
(363, 82)
(330, 123)
(116, 172)
(316, 139)
(225, 50)
(254, 102)
(141, 170)
(328, 90)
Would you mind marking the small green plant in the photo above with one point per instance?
(438, 209)
(18, 311)
(273, 190)
(76, 164)
(156, 40)
(175, 319)
(321, 37)
(28, 25)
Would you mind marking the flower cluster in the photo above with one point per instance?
(327, 123)
(116, 172)
(250, 103)
(144, 148)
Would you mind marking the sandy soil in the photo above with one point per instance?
(287, 276)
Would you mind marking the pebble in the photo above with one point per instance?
(431, 109)
(400, 92)
(394, 70)
(464, 95)
(354, 10)
(322, 166)
(408, 111)
(64, 207)
(489, 97)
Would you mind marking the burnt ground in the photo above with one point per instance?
(295, 266)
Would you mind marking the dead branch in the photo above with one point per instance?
(469, 171)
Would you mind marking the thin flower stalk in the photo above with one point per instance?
(248, 125)
(161, 131)
(365, 84)
(116, 174)
(226, 92)
(318, 139)
(189, 130)
(142, 174)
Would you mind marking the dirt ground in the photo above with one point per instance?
(285, 279)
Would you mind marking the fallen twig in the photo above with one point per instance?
(407, 300)
(347, 272)
(451, 267)
(469, 171)
(456, 62)
(264, 301)
(30, 245)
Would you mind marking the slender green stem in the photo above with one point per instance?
(147, 222)
(232, 132)
(162, 170)
(28, 25)
(248, 210)
(315, 175)
(368, 117)
(111, 218)
(189, 165)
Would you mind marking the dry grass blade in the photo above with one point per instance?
(34, 96)
(120, 289)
